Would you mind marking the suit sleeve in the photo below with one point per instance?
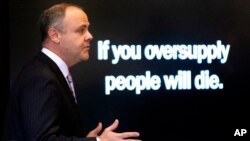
(40, 111)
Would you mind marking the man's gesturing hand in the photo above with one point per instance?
(109, 135)
(95, 132)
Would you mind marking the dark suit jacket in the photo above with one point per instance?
(41, 105)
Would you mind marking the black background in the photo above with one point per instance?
(163, 114)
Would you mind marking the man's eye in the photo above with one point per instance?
(81, 30)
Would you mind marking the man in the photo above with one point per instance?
(42, 101)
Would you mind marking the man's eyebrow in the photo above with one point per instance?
(84, 26)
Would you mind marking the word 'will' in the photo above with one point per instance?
(181, 81)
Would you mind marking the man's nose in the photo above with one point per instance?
(89, 36)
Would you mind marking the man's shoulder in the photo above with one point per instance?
(35, 69)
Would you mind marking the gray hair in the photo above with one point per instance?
(53, 17)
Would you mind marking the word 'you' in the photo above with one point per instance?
(198, 52)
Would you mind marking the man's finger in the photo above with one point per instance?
(125, 135)
(96, 131)
(113, 126)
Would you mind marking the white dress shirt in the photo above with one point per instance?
(59, 62)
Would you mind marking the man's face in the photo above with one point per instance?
(75, 36)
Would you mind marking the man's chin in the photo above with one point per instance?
(85, 57)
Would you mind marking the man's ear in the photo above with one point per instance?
(54, 35)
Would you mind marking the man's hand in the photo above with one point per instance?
(95, 132)
(109, 135)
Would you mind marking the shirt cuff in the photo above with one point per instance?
(98, 139)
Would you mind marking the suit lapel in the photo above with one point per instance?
(58, 74)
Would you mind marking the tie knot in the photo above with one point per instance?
(69, 77)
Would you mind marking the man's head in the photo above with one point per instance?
(64, 30)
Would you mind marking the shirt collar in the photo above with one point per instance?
(59, 62)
